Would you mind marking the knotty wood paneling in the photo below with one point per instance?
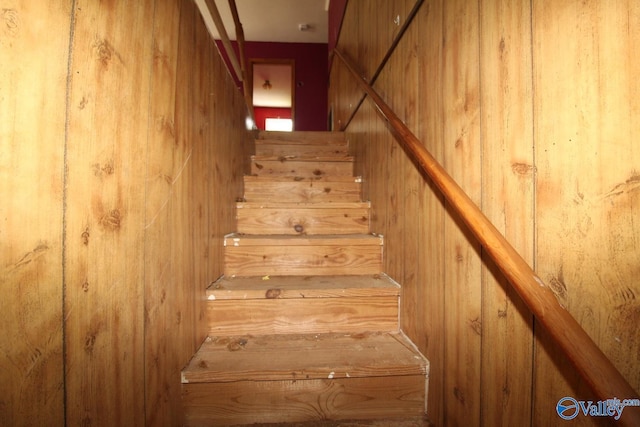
(462, 267)
(199, 143)
(507, 200)
(122, 157)
(33, 56)
(430, 263)
(168, 340)
(529, 105)
(587, 196)
(105, 213)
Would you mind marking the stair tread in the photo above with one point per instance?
(312, 179)
(289, 287)
(304, 158)
(304, 356)
(236, 239)
(303, 205)
(307, 137)
(421, 421)
(300, 141)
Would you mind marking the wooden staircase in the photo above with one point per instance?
(304, 325)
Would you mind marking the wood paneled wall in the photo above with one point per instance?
(530, 107)
(122, 141)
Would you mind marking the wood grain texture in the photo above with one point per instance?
(309, 137)
(302, 315)
(302, 220)
(300, 168)
(507, 200)
(237, 240)
(298, 189)
(105, 213)
(279, 259)
(486, 103)
(100, 181)
(285, 148)
(297, 401)
(587, 187)
(304, 356)
(252, 287)
(462, 266)
(34, 42)
(162, 298)
(430, 333)
(293, 378)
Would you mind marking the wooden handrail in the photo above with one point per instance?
(590, 362)
(224, 37)
(246, 80)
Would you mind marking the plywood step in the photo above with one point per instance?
(259, 255)
(300, 189)
(417, 421)
(301, 167)
(304, 137)
(302, 304)
(288, 148)
(298, 378)
(303, 218)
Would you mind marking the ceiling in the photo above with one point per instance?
(276, 20)
(279, 76)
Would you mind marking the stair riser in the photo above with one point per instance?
(265, 149)
(306, 137)
(248, 402)
(302, 260)
(300, 168)
(302, 221)
(302, 192)
(304, 315)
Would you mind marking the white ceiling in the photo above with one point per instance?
(277, 20)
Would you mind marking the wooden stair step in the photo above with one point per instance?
(301, 167)
(340, 158)
(296, 378)
(259, 255)
(302, 304)
(286, 148)
(417, 421)
(304, 356)
(294, 287)
(300, 189)
(304, 137)
(235, 240)
(302, 218)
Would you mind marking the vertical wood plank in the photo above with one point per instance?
(429, 130)
(401, 246)
(587, 199)
(507, 200)
(34, 42)
(412, 315)
(394, 185)
(462, 148)
(202, 123)
(168, 331)
(105, 213)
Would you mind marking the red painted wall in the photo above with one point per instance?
(262, 113)
(312, 77)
